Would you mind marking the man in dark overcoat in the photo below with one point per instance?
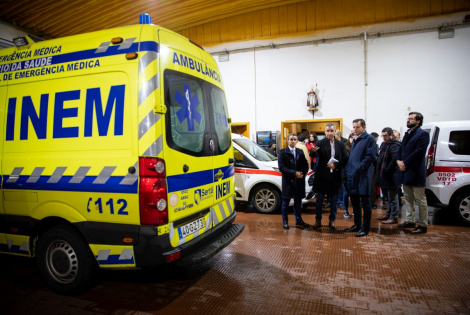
(332, 158)
(412, 164)
(386, 175)
(293, 166)
(359, 176)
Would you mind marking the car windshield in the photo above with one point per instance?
(255, 150)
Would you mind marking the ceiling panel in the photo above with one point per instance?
(216, 21)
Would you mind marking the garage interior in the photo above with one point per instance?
(268, 270)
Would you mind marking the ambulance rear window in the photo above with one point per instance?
(222, 128)
(187, 116)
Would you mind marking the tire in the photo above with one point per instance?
(462, 207)
(266, 199)
(65, 261)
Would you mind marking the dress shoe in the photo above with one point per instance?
(362, 232)
(303, 224)
(353, 228)
(420, 230)
(285, 226)
(346, 215)
(405, 225)
(390, 221)
(317, 224)
(383, 217)
(332, 225)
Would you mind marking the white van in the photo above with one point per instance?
(448, 167)
(257, 176)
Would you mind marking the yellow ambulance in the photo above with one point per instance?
(115, 152)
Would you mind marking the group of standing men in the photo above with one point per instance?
(397, 163)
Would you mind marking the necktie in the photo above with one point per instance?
(293, 152)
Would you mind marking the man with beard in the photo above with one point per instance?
(412, 165)
(386, 175)
(332, 158)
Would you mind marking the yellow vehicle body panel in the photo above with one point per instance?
(77, 114)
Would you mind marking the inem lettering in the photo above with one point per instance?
(29, 116)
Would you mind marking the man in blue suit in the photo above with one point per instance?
(411, 160)
(359, 176)
(293, 166)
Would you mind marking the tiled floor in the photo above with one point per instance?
(268, 270)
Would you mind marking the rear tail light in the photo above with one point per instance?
(153, 192)
(430, 159)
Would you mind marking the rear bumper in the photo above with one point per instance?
(152, 249)
(433, 200)
(219, 243)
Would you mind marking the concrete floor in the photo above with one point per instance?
(268, 270)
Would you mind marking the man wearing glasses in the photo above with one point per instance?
(412, 166)
(293, 166)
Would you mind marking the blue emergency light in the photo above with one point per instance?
(145, 19)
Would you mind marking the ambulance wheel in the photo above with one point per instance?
(266, 199)
(462, 207)
(65, 261)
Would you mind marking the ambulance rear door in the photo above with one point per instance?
(192, 139)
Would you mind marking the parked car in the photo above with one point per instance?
(257, 176)
(448, 167)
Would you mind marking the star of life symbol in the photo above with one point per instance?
(188, 107)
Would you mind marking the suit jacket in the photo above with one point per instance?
(413, 153)
(360, 165)
(288, 166)
(323, 181)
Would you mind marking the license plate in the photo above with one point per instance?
(191, 228)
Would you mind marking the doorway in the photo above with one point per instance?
(242, 128)
(312, 125)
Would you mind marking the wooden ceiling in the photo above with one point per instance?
(217, 21)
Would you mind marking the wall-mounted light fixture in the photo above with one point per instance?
(445, 31)
(224, 57)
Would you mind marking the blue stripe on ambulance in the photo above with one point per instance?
(112, 185)
(196, 179)
(114, 260)
(17, 250)
(92, 54)
(4, 248)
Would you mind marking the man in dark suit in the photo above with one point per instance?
(332, 158)
(359, 176)
(293, 166)
(411, 161)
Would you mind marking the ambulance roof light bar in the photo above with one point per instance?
(145, 19)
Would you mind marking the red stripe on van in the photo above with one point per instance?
(449, 169)
(466, 169)
(259, 172)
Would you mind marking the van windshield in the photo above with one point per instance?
(255, 150)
